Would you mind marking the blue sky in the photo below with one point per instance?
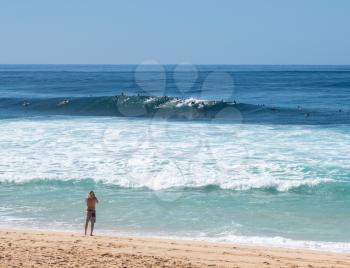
(198, 32)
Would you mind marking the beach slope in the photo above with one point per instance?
(52, 249)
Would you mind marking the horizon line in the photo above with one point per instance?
(169, 64)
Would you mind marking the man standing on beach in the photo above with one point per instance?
(91, 201)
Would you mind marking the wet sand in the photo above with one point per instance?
(19, 248)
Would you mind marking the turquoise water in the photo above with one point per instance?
(238, 154)
(271, 184)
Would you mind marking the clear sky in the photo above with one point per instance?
(193, 31)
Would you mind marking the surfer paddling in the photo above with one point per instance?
(90, 201)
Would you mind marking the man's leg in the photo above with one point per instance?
(86, 225)
(92, 226)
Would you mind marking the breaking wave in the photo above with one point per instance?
(167, 107)
(239, 185)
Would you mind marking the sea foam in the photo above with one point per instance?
(159, 154)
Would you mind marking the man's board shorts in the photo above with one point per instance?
(91, 215)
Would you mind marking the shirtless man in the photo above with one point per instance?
(91, 201)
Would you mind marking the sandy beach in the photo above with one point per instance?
(19, 248)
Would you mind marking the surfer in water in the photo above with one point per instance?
(25, 103)
(90, 201)
(64, 102)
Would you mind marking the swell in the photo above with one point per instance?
(169, 108)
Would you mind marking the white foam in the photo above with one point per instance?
(277, 241)
(161, 154)
(190, 102)
(280, 242)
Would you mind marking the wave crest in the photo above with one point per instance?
(165, 107)
(235, 185)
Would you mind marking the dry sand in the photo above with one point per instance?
(50, 249)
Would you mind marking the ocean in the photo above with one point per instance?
(235, 154)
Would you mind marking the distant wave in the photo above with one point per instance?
(167, 107)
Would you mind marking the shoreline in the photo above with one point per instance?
(250, 241)
(32, 248)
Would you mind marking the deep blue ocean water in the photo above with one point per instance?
(248, 154)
